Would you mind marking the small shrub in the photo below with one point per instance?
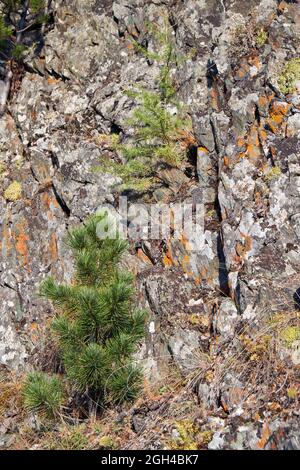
(43, 394)
(37, 5)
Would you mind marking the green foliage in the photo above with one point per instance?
(135, 174)
(5, 31)
(14, 24)
(37, 5)
(156, 128)
(158, 117)
(97, 327)
(158, 120)
(43, 394)
(18, 51)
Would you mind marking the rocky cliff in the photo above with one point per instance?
(224, 316)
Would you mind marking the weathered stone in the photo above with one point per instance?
(247, 176)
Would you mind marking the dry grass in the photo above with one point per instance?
(10, 395)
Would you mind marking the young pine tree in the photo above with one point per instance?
(43, 394)
(158, 120)
(97, 327)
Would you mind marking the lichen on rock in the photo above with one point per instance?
(289, 78)
(13, 192)
(227, 372)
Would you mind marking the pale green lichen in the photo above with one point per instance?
(290, 334)
(292, 393)
(289, 76)
(106, 442)
(186, 440)
(261, 38)
(275, 172)
(13, 192)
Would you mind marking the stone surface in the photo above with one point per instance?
(245, 266)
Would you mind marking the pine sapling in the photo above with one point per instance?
(158, 121)
(97, 327)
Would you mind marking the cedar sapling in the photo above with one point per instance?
(97, 327)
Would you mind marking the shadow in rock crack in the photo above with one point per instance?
(296, 298)
(223, 273)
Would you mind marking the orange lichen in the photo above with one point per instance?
(185, 242)
(263, 101)
(254, 60)
(242, 248)
(278, 112)
(52, 81)
(262, 134)
(215, 99)
(185, 263)
(167, 259)
(202, 150)
(187, 139)
(226, 161)
(6, 238)
(240, 142)
(253, 152)
(282, 6)
(21, 238)
(47, 200)
(264, 437)
(253, 147)
(143, 257)
(243, 70)
(53, 247)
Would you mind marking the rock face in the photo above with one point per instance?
(247, 172)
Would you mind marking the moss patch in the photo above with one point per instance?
(289, 76)
(13, 192)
